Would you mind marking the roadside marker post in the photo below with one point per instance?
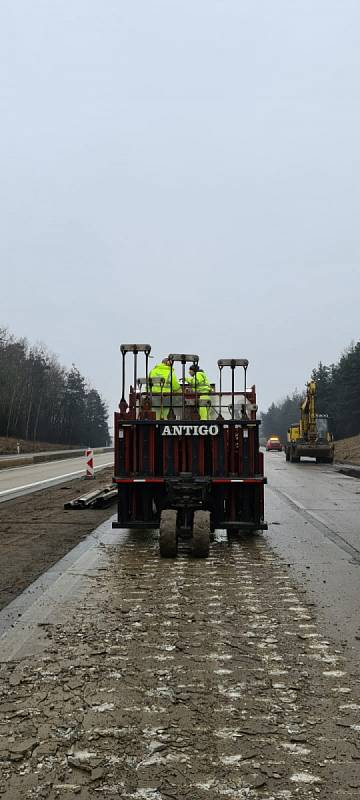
(89, 464)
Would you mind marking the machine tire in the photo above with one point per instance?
(287, 454)
(168, 537)
(201, 534)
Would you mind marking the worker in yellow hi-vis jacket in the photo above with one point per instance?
(198, 380)
(163, 383)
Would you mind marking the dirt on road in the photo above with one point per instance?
(196, 679)
(36, 531)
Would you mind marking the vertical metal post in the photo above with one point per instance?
(123, 404)
(232, 391)
(162, 382)
(123, 378)
(147, 370)
(135, 368)
(195, 387)
(220, 390)
(171, 411)
(245, 412)
(183, 387)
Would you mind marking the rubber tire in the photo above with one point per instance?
(201, 534)
(168, 537)
(287, 455)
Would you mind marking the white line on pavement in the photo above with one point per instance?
(51, 480)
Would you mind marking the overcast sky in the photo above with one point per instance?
(183, 172)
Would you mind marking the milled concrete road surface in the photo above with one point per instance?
(129, 676)
(314, 524)
(18, 481)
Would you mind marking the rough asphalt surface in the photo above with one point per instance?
(193, 679)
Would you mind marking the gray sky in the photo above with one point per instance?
(183, 172)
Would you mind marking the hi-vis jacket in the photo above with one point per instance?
(164, 371)
(201, 382)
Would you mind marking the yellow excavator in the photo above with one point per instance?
(310, 437)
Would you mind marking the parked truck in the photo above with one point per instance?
(310, 436)
(180, 473)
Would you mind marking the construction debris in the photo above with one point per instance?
(99, 498)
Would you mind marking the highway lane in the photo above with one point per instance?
(313, 515)
(18, 481)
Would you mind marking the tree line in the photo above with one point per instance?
(338, 396)
(40, 400)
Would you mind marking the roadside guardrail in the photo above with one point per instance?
(7, 462)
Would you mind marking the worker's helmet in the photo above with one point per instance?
(166, 361)
(194, 368)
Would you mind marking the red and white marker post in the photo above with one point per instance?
(89, 464)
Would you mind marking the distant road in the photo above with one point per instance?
(45, 455)
(23, 456)
(18, 481)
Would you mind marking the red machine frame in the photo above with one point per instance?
(184, 464)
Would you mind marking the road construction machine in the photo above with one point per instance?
(310, 437)
(180, 473)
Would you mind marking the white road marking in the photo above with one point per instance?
(50, 480)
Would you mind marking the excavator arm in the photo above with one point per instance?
(308, 414)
